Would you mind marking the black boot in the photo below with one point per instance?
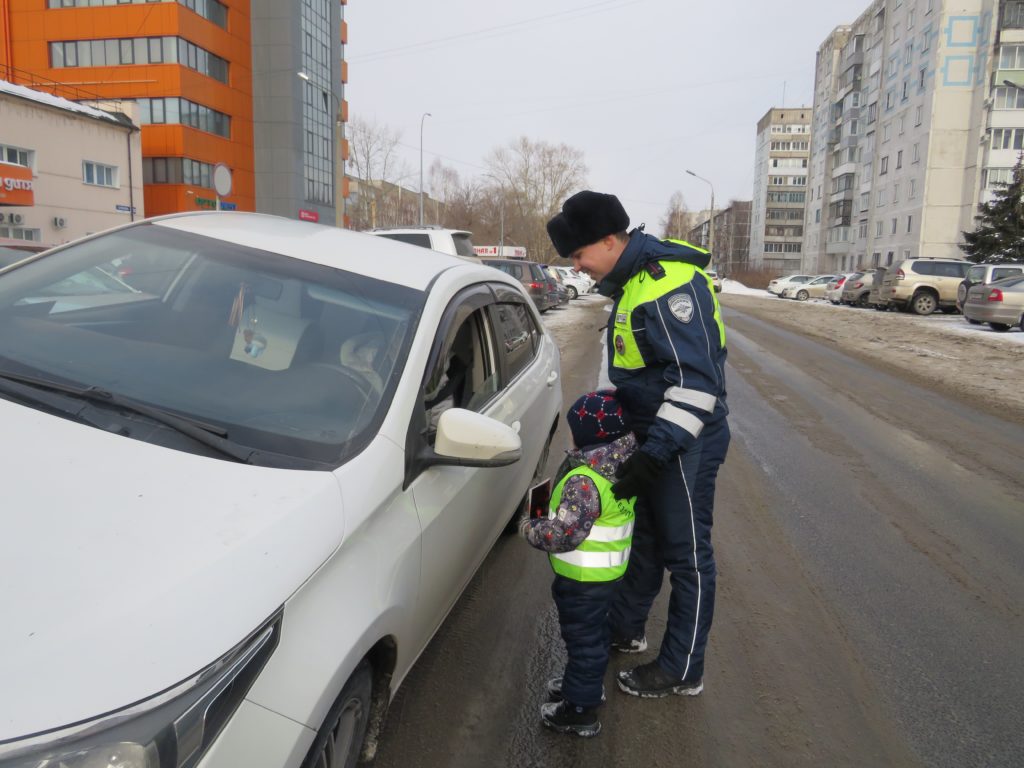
(554, 689)
(650, 681)
(565, 718)
(629, 644)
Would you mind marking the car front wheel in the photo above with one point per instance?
(923, 303)
(572, 292)
(802, 295)
(340, 740)
(1001, 327)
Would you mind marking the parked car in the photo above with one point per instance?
(857, 289)
(834, 291)
(234, 513)
(561, 291)
(1000, 304)
(576, 283)
(923, 284)
(531, 276)
(982, 274)
(456, 242)
(812, 289)
(777, 285)
(716, 281)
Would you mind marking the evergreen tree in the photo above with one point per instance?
(999, 234)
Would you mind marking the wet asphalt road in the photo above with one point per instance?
(869, 536)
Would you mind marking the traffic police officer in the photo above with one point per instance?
(666, 352)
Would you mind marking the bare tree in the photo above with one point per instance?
(375, 163)
(675, 222)
(532, 180)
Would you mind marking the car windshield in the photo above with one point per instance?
(295, 360)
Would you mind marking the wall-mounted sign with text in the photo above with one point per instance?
(16, 185)
(305, 215)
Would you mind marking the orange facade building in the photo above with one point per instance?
(193, 66)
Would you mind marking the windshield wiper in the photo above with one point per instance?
(208, 434)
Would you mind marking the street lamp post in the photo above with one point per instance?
(339, 161)
(711, 227)
(425, 116)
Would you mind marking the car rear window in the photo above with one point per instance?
(940, 268)
(1000, 272)
(421, 239)
(463, 244)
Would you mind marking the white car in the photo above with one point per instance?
(237, 506)
(575, 282)
(716, 279)
(812, 289)
(455, 242)
(779, 284)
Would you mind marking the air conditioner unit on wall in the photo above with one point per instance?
(15, 218)
(59, 222)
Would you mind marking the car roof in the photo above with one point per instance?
(415, 230)
(376, 257)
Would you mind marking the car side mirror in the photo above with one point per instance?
(469, 439)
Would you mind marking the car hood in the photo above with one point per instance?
(126, 567)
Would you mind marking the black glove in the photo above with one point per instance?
(636, 474)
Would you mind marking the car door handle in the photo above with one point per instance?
(552, 378)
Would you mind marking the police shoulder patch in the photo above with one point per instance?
(681, 307)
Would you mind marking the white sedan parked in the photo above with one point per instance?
(243, 492)
(779, 284)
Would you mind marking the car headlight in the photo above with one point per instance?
(170, 730)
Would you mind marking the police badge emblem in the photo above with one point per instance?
(681, 307)
(620, 345)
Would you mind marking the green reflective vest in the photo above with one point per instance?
(641, 289)
(604, 554)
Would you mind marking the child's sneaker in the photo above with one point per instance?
(650, 681)
(555, 690)
(565, 718)
(629, 644)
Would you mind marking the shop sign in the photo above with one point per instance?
(305, 215)
(16, 185)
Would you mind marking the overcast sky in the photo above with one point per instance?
(644, 88)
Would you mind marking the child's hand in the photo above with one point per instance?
(524, 525)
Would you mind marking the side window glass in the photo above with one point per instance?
(999, 274)
(518, 336)
(466, 372)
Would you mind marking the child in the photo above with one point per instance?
(587, 535)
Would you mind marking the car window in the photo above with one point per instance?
(519, 337)
(538, 272)
(976, 274)
(288, 357)
(951, 269)
(463, 244)
(923, 267)
(413, 238)
(465, 373)
(998, 273)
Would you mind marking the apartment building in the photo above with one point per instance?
(66, 169)
(732, 236)
(912, 129)
(780, 189)
(255, 86)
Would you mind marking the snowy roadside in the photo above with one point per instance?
(972, 362)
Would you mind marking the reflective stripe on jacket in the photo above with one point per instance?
(604, 554)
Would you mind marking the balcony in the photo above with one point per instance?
(834, 135)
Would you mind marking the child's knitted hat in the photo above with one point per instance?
(596, 418)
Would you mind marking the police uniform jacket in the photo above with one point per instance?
(666, 343)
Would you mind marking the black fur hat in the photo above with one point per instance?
(586, 217)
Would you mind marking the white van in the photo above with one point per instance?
(455, 242)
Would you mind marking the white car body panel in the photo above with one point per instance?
(352, 556)
(165, 527)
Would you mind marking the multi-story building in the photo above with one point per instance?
(732, 236)
(254, 86)
(66, 169)
(913, 122)
(780, 189)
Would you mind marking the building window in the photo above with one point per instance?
(913, 188)
(919, 115)
(883, 166)
(878, 229)
(893, 225)
(886, 130)
(899, 159)
(1008, 138)
(212, 10)
(141, 50)
(21, 233)
(865, 200)
(16, 155)
(173, 109)
(895, 193)
(998, 177)
(1011, 57)
(1004, 97)
(916, 154)
(910, 223)
(98, 174)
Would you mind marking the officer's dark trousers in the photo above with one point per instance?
(583, 617)
(673, 531)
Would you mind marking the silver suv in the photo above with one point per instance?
(923, 285)
(455, 242)
(983, 274)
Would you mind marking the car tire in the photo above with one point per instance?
(340, 739)
(862, 300)
(802, 295)
(573, 293)
(972, 321)
(1001, 327)
(923, 303)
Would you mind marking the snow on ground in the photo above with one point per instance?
(735, 286)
